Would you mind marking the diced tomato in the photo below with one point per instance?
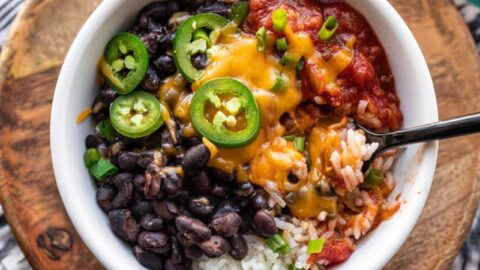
(336, 250)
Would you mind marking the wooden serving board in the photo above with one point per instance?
(29, 66)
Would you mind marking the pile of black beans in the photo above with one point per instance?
(165, 201)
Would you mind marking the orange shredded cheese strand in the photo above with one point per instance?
(84, 115)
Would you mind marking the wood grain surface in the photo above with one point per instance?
(29, 67)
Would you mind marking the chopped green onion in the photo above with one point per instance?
(282, 44)
(277, 244)
(375, 177)
(239, 12)
(289, 59)
(279, 19)
(103, 169)
(202, 34)
(328, 29)
(299, 143)
(315, 246)
(281, 83)
(106, 130)
(91, 156)
(289, 138)
(261, 39)
(293, 267)
(300, 65)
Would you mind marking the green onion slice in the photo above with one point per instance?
(328, 29)
(282, 44)
(278, 244)
(106, 130)
(375, 177)
(91, 156)
(299, 143)
(281, 83)
(289, 138)
(261, 39)
(279, 20)
(103, 169)
(239, 12)
(315, 246)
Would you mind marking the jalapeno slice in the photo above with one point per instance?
(225, 111)
(184, 45)
(125, 62)
(136, 115)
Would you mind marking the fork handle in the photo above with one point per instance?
(460, 126)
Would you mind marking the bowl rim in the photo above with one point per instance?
(58, 161)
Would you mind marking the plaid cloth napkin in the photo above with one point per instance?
(12, 258)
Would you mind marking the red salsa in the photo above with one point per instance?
(367, 78)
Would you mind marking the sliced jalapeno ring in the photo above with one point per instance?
(136, 115)
(225, 111)
(125, 62)
(184, 38)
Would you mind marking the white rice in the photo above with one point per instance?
(298, 232)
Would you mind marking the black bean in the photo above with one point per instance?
(192, 141)
(219, 8)
(103, 148)
(105, 197)
(152, 80)
(227, 224)
(123, 224)
(292, 178)
(259, 200)
(239, 247)
(215, 247)
(141, 208)
(220, 191)
(115, 148)
(177, 19)
(200, 183)
(201, 206)
(92, 141)
(127, 161)
(165, 209)
(221, 176)
(156, 242)
(244, 190)
(192, 229)
(124, 184)
(225, 207)
(160, 10)
(176, 253)
(139, 183)
(165, 42)
(153, 180)
(195, 159)
(148, 259)
(107, 95)
(171, 265)
(151, 43)
(151, 222)
(147, 157)
(181, 197)
(165, 65)
(193, 4)
(192, 252)
(172, 181)
(199, 61)
(264, 224)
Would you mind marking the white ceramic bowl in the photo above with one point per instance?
(77, 87)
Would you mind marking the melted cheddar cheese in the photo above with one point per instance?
(271, 158)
